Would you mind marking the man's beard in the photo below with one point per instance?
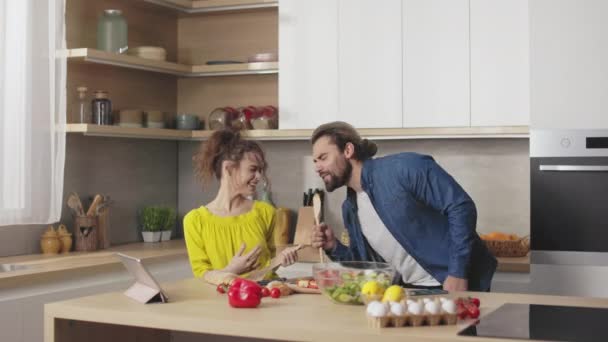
(337, 181)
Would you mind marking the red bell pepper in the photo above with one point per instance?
(244, 293)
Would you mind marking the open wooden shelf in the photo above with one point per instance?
(127, 132)
(132, 62)
(304, 134)
(206, 6)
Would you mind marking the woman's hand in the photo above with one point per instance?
(244, 263)
(289, 255)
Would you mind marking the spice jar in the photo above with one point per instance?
(82, 109)
(101, 108)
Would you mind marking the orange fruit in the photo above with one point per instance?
(497, 236)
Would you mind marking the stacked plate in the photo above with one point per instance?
(149, 52)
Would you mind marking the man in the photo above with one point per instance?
(403, 209)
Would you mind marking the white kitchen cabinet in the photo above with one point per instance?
(569, 63)
(308, 62)
(369, 63)
(436, 63)
(500, 71)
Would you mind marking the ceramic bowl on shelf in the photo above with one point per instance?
(263, 57)
(187, 122)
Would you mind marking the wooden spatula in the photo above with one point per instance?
(274, 264)
(316, 205)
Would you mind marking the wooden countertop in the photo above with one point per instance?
(41, 263)
(196, 307)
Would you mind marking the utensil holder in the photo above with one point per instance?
(85, 231)
(103, 229)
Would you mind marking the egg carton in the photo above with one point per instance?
(408, 319)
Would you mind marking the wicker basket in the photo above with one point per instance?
(509, 248)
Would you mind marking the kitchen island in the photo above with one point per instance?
(196, 307)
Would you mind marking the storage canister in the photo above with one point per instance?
(112, 32)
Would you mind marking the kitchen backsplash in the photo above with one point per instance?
(132, 172)
(495, 172)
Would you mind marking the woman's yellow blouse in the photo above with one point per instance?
(213, 240)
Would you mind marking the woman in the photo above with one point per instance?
(231, 234)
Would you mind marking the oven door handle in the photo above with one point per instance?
(575, 168)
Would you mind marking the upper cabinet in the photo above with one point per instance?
(500, 67)
(369, 63)
(308, 62)
(436, 63)
(404, 63)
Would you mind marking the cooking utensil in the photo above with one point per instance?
(316, 204)
(75, 204)
(93, 207)
(274, 264)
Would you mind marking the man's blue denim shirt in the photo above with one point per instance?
(427, 212)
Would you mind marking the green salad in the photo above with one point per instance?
(347, 287)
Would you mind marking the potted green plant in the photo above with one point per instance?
(170, 216)
(152, 222)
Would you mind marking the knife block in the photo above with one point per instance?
(85, 233)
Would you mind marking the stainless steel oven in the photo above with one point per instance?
(569, 197)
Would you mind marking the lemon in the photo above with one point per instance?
(372, 287)
(394, 293)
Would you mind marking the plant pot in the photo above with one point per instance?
(165, 235)
(151, 236)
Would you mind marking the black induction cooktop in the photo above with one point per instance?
(543, 322)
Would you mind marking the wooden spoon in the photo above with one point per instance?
(93, 208)
(258, 275)
(316, 205)
(75, 204)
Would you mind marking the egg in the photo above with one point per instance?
(442, 299)
(376, 309)
(426, 300)
(432, 308)
(397, 309)
(449, 306)
(415, 308)
(409, 301)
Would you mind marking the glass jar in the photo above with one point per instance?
(112, 32)
(267, 118)
(101, 108)
(82, 109)
(243, 118)
(221, 118)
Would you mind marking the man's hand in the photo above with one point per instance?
(455, 284)
(323, 236)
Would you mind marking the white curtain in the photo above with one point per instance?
(32, 110)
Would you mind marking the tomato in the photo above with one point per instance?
(265, 292)
(312, 284)
(275, 292)
(471, 309)
(220, 288)
(475, 301)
